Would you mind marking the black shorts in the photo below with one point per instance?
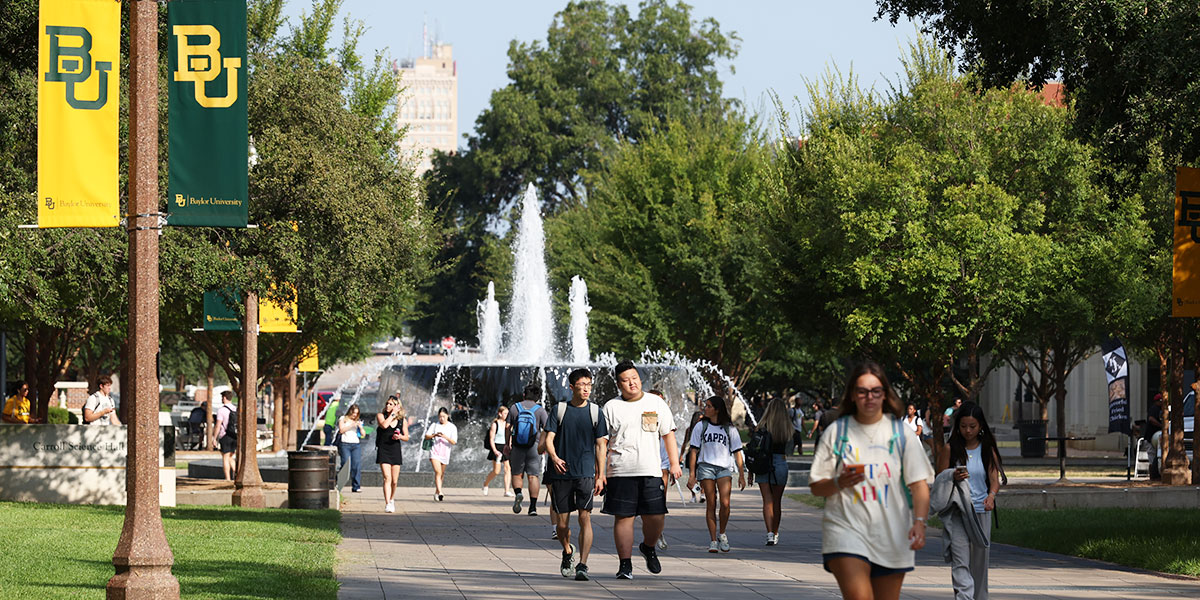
(632, 496)
(877, 570)
(569, 495)
(228, 444)
(493, 458)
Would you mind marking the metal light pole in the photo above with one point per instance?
(248, 483)
(143, 558)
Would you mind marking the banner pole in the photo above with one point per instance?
(143, 558)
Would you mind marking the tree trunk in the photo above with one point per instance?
(278, 393)
(209, 429)
(1060, 396)
(1175, 466)
(291, 421)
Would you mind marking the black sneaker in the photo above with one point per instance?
(517, 504)
(652, 563)
(554, 533)
(581, 573)
(532, 511)
(626, 569)
(569, 561)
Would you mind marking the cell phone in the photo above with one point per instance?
(856, 468)
(960, 469)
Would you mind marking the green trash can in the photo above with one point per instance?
(308, 479)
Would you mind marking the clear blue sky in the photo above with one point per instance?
(784, 42)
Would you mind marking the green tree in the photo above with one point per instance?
(664, 247)
(1130, 66)
(601, 77)
(340, 219)
(920, 222)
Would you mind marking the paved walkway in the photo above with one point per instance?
(472, 546)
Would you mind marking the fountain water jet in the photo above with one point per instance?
(579, 321)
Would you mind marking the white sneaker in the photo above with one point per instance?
(390, 507)
(485, 490)
(713, 546)
(722, 543)
(770, 539)
(508, 494)
(662, 542)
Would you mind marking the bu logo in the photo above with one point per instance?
(201, 63)
(73, 64)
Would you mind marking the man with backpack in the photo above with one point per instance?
(526, 421)
(576, 436)
(227, 433)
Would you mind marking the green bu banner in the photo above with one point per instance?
(206, 109)
(221, 310)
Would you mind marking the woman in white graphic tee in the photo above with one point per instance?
(871, 469)
(715, 447)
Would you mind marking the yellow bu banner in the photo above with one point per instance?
(1185, 265)
(79, 60)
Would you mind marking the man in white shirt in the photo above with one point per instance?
(100, 408)
(226, 436)
(632, 483)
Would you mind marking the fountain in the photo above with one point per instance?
(472, 385)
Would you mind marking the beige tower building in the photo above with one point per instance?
(428, 105)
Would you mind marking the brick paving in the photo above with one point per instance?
(473, 546)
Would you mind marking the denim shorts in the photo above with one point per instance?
(778, 475)
(711, 471)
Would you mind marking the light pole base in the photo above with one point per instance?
(143, 583)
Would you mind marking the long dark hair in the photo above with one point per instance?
(696, 416)
(989, 451)
(719, 405)
(891, 402)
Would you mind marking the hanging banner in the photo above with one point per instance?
(221, 310)
(1116, 368)
(206, 109)
(309, 362)
(79, 60)
(274, 317)
(1185, 265)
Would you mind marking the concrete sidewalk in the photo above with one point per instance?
(473, 546)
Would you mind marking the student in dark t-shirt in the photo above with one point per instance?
(576, 434)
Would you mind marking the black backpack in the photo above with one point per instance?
(231, 425)
(758, 452)
(487, 437)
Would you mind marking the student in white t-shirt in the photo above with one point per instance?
(715, 448)
(632, 479)
(865, 465)
(99, 409)
(444, 434)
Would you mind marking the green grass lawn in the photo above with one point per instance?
(1165, 540)
(64, 551)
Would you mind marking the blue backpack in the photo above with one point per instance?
(897, 439)
(526, 432)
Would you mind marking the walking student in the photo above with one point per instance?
(666, 471)
(494, 442)
(227, 434)
(389, 437)
(526, 421)
(99, 409)
(875, 478)
(778, 427)
(976, 459)
(715, 448)
(443, 435)
(576, 436)
(350, 449)
(632, 481)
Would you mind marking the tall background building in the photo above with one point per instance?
(428, 103)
